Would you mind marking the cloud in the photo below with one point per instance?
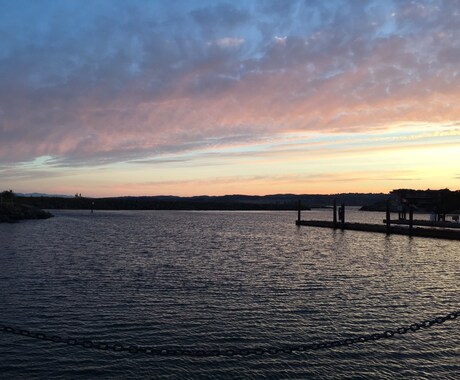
(272, 181)
(228, 42)
(91, 83)
(19, 174)
(220, 16)
(280, 40)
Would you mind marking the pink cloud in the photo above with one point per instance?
(337, 77)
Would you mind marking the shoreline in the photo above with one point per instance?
(13, 213)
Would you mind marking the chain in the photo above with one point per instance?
(194, 352)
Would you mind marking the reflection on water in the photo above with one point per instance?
(220, 279)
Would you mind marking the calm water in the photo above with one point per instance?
(221, 279)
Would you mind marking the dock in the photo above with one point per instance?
(411, 227)
(425, 223)
(394, 230)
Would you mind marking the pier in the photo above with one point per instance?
(410, 227)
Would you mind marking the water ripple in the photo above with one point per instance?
(213, 279)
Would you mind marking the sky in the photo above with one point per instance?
(179, 97)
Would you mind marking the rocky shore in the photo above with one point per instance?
(10, 213)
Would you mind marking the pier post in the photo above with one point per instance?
(342, 219)
(388, 216)
(334, 215)
(92, 207)
(402, 213)
(411, 219)
(298, 213)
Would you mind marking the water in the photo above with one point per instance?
(221, 279)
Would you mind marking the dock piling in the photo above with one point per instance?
(388, 217)
(411, 219)
(298, 213)
(334, 215)
(342, 216)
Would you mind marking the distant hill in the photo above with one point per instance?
(226, 202)
(43, 195)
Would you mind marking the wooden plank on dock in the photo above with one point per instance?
(437, 233)
(426, 223)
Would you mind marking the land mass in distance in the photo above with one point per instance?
(226, 202)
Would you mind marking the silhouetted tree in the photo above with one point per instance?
(7, 197)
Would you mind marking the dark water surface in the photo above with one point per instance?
(222, 279)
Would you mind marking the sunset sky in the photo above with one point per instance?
(124, 97)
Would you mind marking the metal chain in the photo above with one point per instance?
(194, 352)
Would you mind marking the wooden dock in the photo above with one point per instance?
(425, 228)
(424, 223)
(393, 230)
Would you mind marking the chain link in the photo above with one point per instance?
(196, 352)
